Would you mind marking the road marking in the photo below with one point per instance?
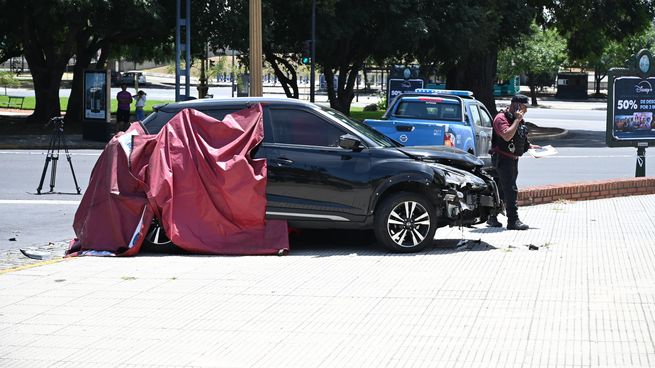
(37, 201)
(32, 265)
(44, 152)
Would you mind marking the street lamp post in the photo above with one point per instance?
(311, 73)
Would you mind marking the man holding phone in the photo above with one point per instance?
(509, 142)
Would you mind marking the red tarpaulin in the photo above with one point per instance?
(196, 177)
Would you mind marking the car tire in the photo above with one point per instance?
(406, 222)
(156, 235)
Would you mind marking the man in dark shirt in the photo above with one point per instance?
(509, 142)
(123, 112)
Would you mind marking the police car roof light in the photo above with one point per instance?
(454, 92)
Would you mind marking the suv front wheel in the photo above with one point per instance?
(406, 222)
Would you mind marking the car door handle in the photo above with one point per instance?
(405, 128)
(281, 161)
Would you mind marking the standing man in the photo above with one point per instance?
(509, 142)
(123, 113)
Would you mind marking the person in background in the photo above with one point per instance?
(140, 99)
(509, 142)
(123, 113)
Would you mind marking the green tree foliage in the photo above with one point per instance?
(615, 53)
(465, 37)
(347, 34)
(536, 56)
(50, 33)
(285, 24)
(590, 25)
(7, 80)
(351, 32)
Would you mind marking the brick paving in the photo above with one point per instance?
(584, 298)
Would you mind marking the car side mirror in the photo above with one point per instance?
(350, 142)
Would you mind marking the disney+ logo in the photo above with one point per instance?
(644, 87)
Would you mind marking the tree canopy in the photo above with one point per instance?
(460, 40)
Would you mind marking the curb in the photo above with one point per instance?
(583, 191)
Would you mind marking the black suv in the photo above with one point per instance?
(326, 170)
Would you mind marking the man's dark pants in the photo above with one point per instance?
(508, 171)
(122, 118)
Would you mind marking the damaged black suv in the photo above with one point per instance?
(328, 171)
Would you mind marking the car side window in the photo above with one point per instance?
(303, 128)
(218, 114)
(487, 121)
(475, 115)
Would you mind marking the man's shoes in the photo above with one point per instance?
(517, 225)
(492, 221)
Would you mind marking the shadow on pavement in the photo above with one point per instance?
(329, 243)
(578, 138)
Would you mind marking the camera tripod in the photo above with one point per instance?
(57, 140)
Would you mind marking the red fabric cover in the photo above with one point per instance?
(113, 205)
(198, 179)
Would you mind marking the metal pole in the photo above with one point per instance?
(256, 88)
(232, 73)
(312, 79)
(640, 170)
(177, 50)
(187, 44)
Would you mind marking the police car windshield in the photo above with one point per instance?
(363, 129)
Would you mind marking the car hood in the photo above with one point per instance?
(443, 155)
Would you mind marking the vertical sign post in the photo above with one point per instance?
(631, 106)
(96, 98)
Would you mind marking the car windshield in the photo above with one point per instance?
(363, 129)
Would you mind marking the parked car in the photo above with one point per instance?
(128, 78)
(115, 78)
(438, 117)
(326, 170)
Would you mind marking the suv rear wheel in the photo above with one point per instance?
(406, 222)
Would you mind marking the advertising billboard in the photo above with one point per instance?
(631, 103)
(633, 108)
(398, 86)
(96, 95)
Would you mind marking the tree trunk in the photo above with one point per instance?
(342, 98)
(76, 98)
(476, 73)
(532, 83)
(598, 77)
(47, 61)
(289, 84)
(46, 91)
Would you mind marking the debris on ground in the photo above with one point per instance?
(33, 254)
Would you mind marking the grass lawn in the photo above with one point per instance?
(29, 102)
(358, 113)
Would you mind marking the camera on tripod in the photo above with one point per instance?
(57, 141)
(56, 122)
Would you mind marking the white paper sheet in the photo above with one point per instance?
(543, 151)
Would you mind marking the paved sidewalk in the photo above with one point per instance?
(584, 298)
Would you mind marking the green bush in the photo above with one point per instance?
(371, 107)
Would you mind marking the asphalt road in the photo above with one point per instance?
(32, 219)
(583, 154)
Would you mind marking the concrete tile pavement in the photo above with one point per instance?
(585, 298)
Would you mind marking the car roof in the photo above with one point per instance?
(419, 94)
(208, 103)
